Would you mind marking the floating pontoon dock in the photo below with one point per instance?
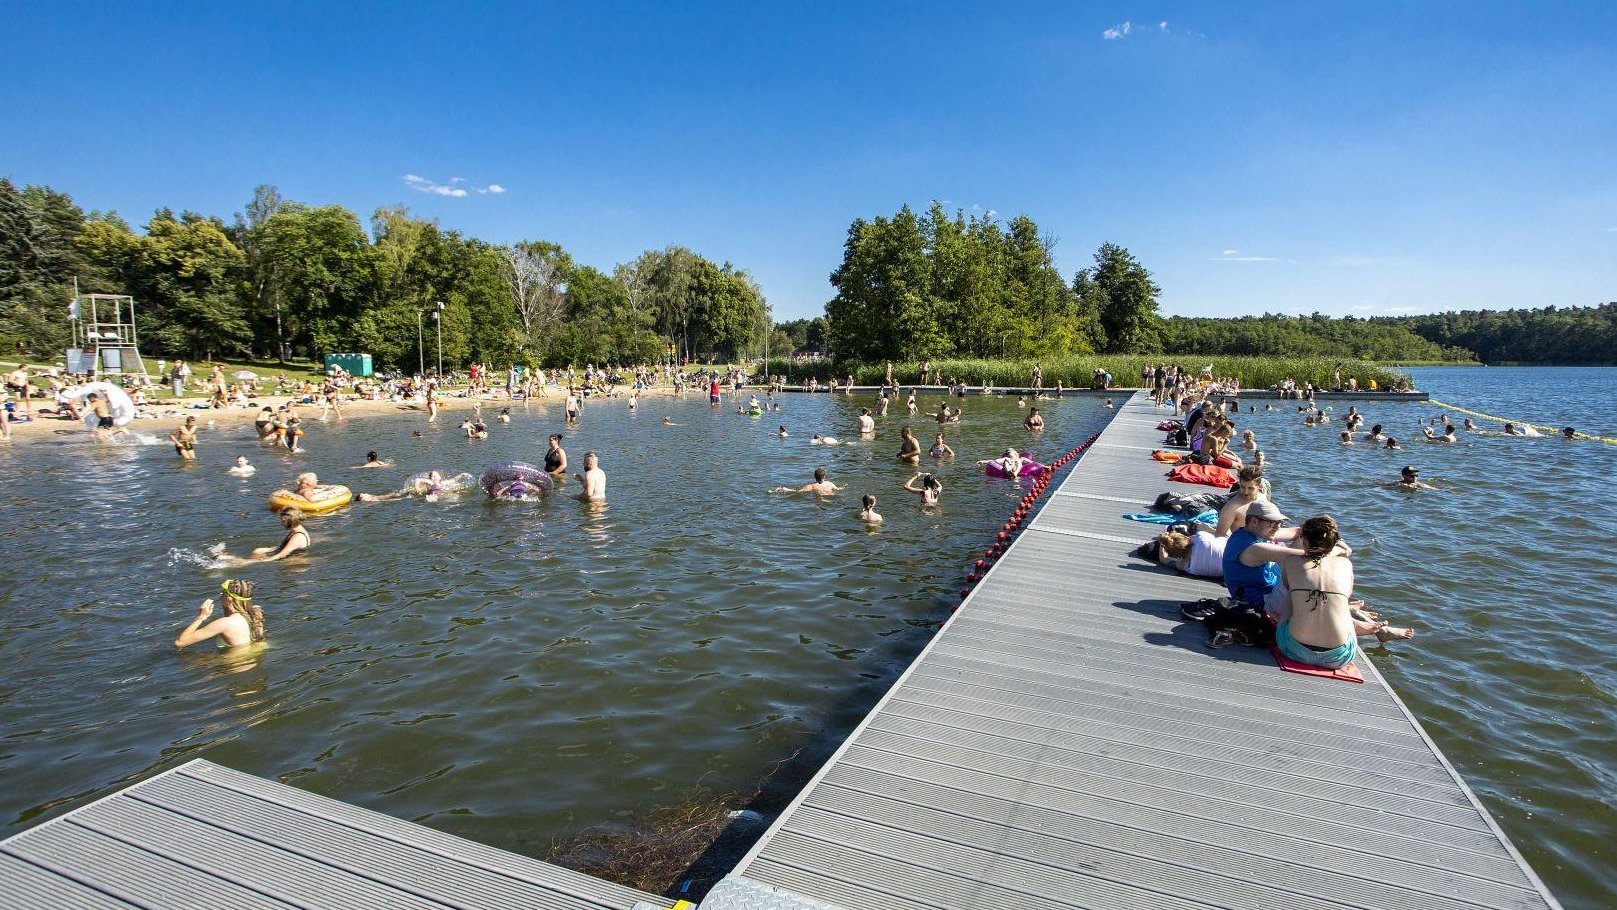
(1064, 742)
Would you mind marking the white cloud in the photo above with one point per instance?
(1235, 256)
(456, 188)
(1118, 32)
(1355, 261)
(1397, 309)
(1362, 307)
(1162, 26)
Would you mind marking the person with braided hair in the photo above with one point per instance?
(242, 624)
(1324, 623)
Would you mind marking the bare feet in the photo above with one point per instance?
(1393, 633)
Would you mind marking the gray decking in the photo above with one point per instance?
(1066, 741)
(204, 836)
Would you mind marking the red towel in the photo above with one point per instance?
(1347, 671)
(1211, 475)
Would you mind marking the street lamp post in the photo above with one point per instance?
(420, 353)
(438, 318)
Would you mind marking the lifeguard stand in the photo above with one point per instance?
(104, 336)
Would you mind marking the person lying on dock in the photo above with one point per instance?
(820, 486)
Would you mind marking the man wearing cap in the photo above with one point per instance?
(1250, 572)
(1409, 480)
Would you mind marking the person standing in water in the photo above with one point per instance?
(593, 481)
(184, 438)
(556, 457)
(1034, 421)
(926, 486)
(242, 624)
(867, 510)
(909, 448)
(940, 449)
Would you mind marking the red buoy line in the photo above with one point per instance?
(1024, 509)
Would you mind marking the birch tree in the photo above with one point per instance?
(535, 275)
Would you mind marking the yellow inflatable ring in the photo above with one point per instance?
(323, 499)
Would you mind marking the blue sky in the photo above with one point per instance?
(1257, 157)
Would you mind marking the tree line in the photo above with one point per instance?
(284, 278)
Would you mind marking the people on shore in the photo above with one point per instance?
(242, 623)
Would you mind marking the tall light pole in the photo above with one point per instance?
(438, 318)
(420, 353)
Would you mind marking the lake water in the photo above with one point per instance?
(508, 672)
(514, 673)
(1508, 577)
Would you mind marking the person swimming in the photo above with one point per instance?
(242, 468)
(820, 486)
(297, 540)
(781, 432)
(505, 415)
(372, 460)
(819, 440)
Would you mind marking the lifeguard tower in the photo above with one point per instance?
(104, 336)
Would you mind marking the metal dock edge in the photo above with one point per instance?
(205, 836)
(1066, 741)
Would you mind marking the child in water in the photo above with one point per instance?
(868, 513)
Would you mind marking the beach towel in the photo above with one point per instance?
(1209, 475)
(1157, 518)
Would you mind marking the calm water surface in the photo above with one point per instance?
(514, 673)
(507, 672)
(1508, 578)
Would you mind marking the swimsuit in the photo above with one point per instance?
(1313, 655)
(104, 423)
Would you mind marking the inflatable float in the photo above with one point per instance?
(515, 480)
(1030, 468)
(426, 485)
(320, 500)
(119, 403)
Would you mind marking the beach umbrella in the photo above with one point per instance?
(245, 374)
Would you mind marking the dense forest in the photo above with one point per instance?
(290, 279)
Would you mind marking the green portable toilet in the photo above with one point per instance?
(353, 364)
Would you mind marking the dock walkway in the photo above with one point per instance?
(1066, 741)
(205, 836)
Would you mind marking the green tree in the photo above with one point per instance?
(1124, 299)
(39, 258)
(884, 308)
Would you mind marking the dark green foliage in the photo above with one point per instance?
(1552, 335)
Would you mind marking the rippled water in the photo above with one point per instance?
(1508, 578)
(507, 672)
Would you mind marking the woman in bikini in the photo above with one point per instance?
(926, 486)
(1323, 626)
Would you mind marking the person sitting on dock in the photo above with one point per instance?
(1318, 624)
(1250, 571)
(1249, 489)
